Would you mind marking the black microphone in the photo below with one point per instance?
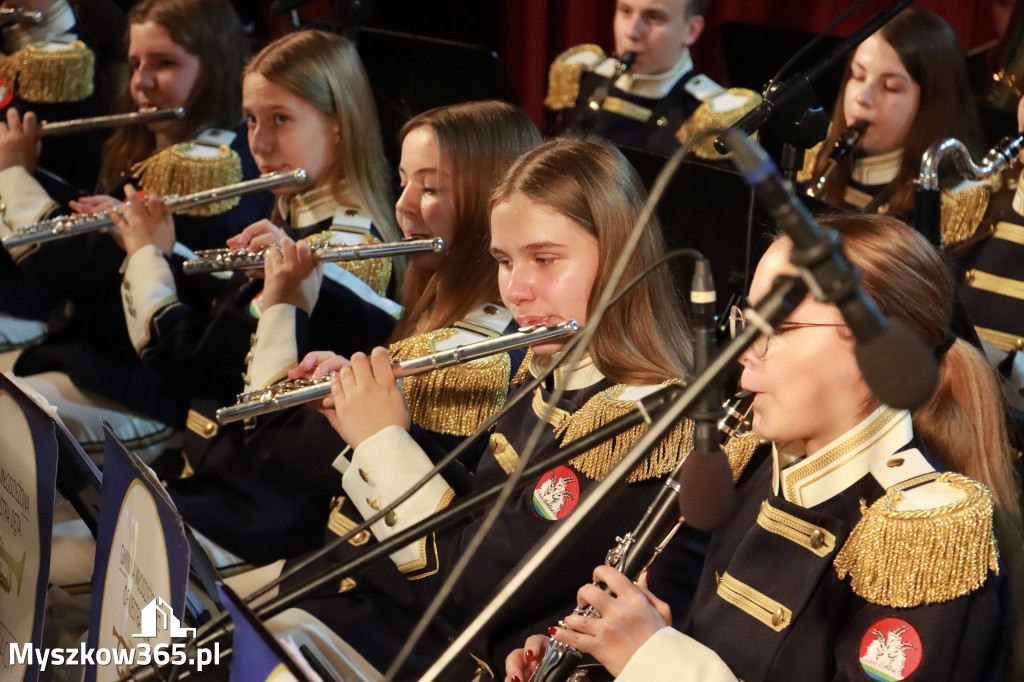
(900, 371)
(706, 494)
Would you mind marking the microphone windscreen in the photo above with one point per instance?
(898, 368)
(707, 495)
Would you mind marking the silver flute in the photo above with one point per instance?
(220, 260)
(68, 226)
(81, 125)
(298, 391)
(20, 16)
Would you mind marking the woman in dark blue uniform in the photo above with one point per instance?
(864, 544)
(182, 53)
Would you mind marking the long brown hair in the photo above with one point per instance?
(324, 69)
(964, 421)
(209, 30)
(478, 141)
(643, 339)
(930, 51)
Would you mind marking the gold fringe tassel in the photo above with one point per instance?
(564, 78)
(962, 213)
(907, 558)
(175, 171)
(454, 400)
(64, 75)
(376, 272)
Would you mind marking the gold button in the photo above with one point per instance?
(131, 310)
(127, 285)
(895, 462)
(360, 538)
(248, 357)
(365, 475)
(1019, 343)
(374, 503)
(391, 518)
(594, 106)
(817, 538)
(351, 212)
(969, 276)
(346, 585)
(662, 122)
(209, 429)
(128, 298)
(245, 378)
(777, 617)
(490, 310)
(252, 338)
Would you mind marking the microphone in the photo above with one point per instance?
(896, 366)
(706, 494)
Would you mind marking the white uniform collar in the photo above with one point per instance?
(877, 170)
(313, 206)
(844, 461)
(584, 373)
(652, 86)
(58, 19)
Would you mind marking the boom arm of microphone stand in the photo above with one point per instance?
(783, 96)
(786, 294)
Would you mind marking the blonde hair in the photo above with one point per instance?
(324, 69)
(478, 141)
(209, 30)
(643, 338)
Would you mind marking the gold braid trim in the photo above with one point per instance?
(51, 75)
(962, 213)
(174, 171)
(806, 174)
(524, 369)
(504, 453)
(739, 450)
(908, 558)
(705, 117)
(596, 463)
(376, 272)
(564, 78)
(454, 400)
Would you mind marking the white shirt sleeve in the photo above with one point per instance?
(671, 656)
(383, 467)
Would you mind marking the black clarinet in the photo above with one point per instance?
(634, 552)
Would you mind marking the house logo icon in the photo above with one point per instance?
(158, 615)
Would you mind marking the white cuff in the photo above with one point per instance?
(383, 467)
(146, 289)
(275, 350)
(670, 655)
(25, 201)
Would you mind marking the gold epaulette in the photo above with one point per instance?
(523, 371)
(720, 111)
(962, 212)
(187, 168)
(596, 463)
(51, 75)
(739, 450)
(908, 558)
(454, 400)
(564, 76)
(806, 174)
(376, 272)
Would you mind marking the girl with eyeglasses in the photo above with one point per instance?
(868, 542)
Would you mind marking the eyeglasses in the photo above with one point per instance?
(737, 323)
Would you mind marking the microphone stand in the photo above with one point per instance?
(653, 406)
(791, 105)
(786, 294)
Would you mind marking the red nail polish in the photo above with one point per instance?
(552, 630)
(515, 678)
(530, 655)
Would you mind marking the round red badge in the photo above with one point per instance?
(556, 493)
(890, 650)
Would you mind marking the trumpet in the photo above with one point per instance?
(81, 125)
(299, 391)
(15, 570)
(68, 226)
(842, 147)
(634, 552)
(219, 260)
(17, 15)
